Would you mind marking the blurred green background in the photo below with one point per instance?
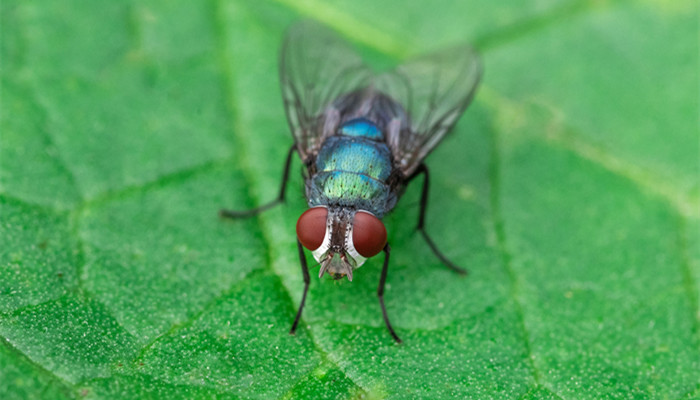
(570, 189)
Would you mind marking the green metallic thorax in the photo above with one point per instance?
(352, 169)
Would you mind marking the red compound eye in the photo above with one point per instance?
(368, 234)
(311, 227)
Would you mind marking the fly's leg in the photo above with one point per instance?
(280, 199)
(380, 293)
(307, 280)
(422, 169)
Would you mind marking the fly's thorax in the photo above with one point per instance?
(349, 190)
(352, 171)
(355, 154)
(349, 237)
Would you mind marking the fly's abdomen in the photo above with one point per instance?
(352, 169)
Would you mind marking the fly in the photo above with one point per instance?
(362, 138)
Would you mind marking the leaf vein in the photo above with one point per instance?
(208, 306)
(499, 227)
(65, 385)
(61, 161)
(689, 279)
(356, 29)
(554, 16)
(567, 137)
(174, 177)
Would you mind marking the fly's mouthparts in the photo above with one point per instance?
(348, 267)
(336, 265)
(324, 267)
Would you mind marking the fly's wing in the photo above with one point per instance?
(316, 67)
(434, 90)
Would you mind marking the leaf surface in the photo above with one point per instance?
(569, 189)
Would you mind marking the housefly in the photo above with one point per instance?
(362, 137)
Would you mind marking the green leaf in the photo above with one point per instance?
(569, 190)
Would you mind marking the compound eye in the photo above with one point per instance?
(368, 234)
(311, 227)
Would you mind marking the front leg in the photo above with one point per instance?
(280, 198)
(380, 293)
(422, 169)
(307, 280)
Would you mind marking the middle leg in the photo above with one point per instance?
(422, 169)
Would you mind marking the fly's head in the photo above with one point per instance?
(341, 239)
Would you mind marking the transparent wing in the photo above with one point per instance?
(316, 67)
(434, 90)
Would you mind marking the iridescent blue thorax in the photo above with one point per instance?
(352, 169)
